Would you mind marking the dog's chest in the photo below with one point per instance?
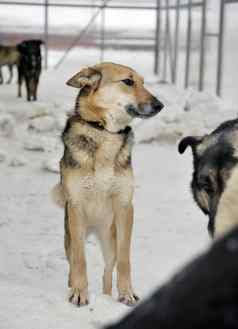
(97, 181)
(101, 175)
(97, 168)
(94, 194)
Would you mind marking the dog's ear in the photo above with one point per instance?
(89, 77)
(192, 141)
(40, 42)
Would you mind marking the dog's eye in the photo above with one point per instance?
(128, 82)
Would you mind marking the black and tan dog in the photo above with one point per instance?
(9, 56)
(96, 186)
(215, 177)
(29, 68)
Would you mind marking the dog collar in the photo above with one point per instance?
(99, 126)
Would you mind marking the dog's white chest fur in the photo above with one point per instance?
(94, 186)
(95, 193)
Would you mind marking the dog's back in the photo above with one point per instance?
(9, 55)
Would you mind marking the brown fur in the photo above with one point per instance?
(96, 186)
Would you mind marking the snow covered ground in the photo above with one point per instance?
(169, 229)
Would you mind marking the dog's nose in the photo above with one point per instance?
(157, 105)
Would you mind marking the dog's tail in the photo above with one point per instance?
(58, 196)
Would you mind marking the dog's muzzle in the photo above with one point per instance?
(145, 110)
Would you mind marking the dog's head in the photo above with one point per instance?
(214, 157)
(113, 95)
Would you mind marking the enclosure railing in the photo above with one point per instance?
(166, 53)
(170, 51)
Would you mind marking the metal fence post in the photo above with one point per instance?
(220, 48)
(81, 33)
(202, 45)
(46, 32)
(170, 48)
(166, 36)
(102, 48)
(157, 39)
(188, 45)
(176, 41)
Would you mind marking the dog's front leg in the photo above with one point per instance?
(108, 244)
(78, 271)
(124, 223)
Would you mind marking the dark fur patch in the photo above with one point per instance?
(84, 143)
(69, 160)
(75, 143)
(123, 159)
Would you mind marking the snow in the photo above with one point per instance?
(169, 228)
(6, 125)
(18, 161)
(43, 124)
(2, 156)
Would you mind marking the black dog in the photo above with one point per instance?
(203, 295)
(29, 68)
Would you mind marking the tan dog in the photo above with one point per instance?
(96, 186)
(9, 55)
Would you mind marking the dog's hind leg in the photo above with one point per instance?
(20, 80)
(10, 67)
(78, 272)
(108, 244)
(35, 89)
(28, 89)
(124, 223)
(1, 76)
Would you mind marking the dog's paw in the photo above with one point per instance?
(79, 298)
(129, 298)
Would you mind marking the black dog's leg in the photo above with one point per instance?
(28, 91)
(35, 89)
(20, 78)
